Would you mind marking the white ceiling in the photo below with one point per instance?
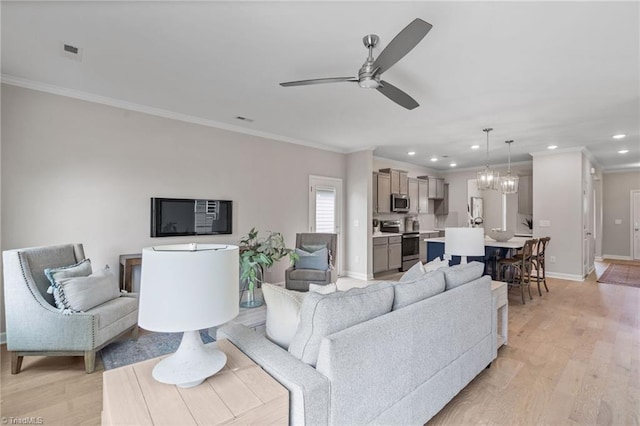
(540, 73)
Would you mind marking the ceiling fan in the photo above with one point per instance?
(371, 71)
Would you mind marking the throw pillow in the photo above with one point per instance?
(462, 274)
(413, 273)
(436, 264)
(80, 269)
(427, 285)
(322, 288)
(318, 260)
(323, 315)
(84, 293)
(283, 313)
(312, 248)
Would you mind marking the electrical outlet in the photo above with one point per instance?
(552, 259)
(357, 259)
(545, 223)
(356, 223)
(618, 221)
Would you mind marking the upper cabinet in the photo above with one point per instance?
(414, 200)
(399, 183)
(381, 193)
(442, 206)
(423, 196)
(525, 195)
(436, 187)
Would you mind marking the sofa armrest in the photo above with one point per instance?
(308, 389)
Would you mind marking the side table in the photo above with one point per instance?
(241, 393)
(501, 307)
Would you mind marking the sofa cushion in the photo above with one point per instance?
(323, 288)
(80, 269)
(316, 260)
(413, 273)
(307, 275)
(82, 293)
(409, 292)
(283, 313)
(457, 275)
(322, 315)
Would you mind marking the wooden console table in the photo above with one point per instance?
(501, 306)
(241, 393)
(127, 262)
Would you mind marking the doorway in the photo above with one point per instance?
(635, 225)
(325, 210)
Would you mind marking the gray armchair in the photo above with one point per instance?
(36, 327)
(299, 279)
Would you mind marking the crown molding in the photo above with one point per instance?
(158, 112)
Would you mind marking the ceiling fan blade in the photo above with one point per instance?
(319, 81)
(397, 95)
(401, 44)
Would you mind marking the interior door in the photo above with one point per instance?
(635, 225)
(325, 210)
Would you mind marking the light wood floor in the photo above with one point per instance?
(573, 358)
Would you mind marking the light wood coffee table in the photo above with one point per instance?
(241, 393)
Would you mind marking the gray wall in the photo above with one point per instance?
(358, 227)
(76, 171)
(616, 204)
(557, 198)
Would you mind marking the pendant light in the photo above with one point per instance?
(508, 183)
(488, 178)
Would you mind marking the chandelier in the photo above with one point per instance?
(508, 183)
(488, 178)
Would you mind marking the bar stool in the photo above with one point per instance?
(538, 263)
(519, 268)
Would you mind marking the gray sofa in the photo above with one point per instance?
(401, 367)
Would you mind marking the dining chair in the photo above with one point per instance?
(517, 270)
(538, 263)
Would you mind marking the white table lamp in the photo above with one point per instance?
(186, 288)
(464, 242)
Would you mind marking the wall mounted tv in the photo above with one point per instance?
(173, 217)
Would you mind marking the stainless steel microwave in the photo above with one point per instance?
(399, 203)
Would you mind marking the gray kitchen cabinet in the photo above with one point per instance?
(436, 187)
(423, 247)
(395, 252)
(383, 193)
(374, 193)
(442, 206)
(525, 195)
(423, 196)
(399, 184)
(380, 254)
(414, 198)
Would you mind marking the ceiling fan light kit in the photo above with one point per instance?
(488, 178)
(369, 75)
(509, 183)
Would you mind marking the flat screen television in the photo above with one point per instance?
(173, 217)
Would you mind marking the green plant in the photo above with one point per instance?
(529, 223)
(258, 254)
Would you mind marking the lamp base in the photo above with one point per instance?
(191, 364)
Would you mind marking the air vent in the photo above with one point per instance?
(72, 52)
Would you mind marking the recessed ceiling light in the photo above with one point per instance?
(411, 153)
(475, 146)
(434, 159)
(552, 146)
(623, 151)
(620, 136)
(452, 164)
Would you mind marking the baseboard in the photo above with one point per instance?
(616, 257)
(3, 338)
(561, 276)
(599, 258)
(356, 275)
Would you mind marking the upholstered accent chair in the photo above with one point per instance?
(36, 327)
(297, 278)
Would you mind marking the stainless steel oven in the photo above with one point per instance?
(410, 249)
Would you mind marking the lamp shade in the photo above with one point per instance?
(464, 242)
(188, 287)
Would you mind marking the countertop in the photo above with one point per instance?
(515, 242)
(395, 234)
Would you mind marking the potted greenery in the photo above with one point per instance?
(256, 255)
